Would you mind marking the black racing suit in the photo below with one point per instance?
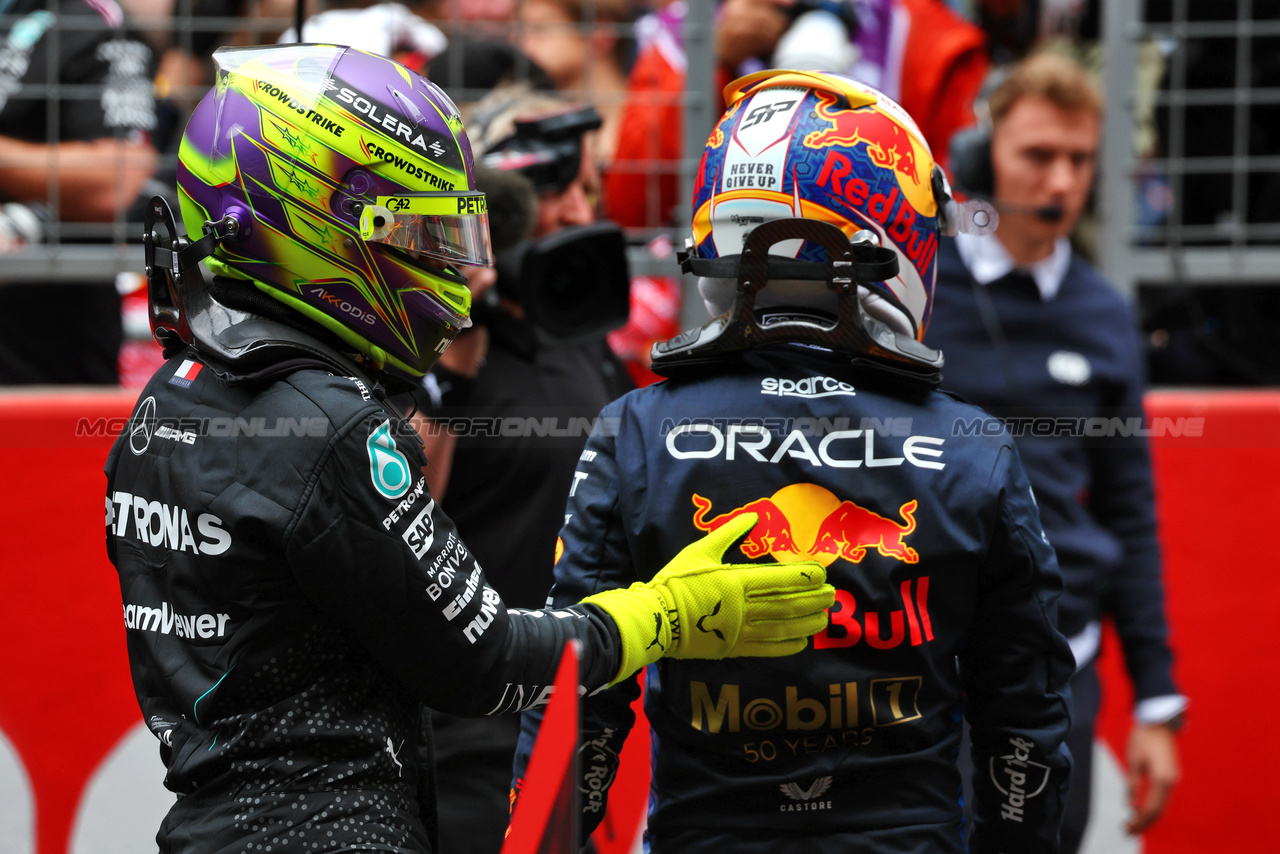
(292, 594)
(946, 593)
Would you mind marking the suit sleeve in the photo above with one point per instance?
(596, 556)
(369, 547)
(1122, 498)
(1015, 666)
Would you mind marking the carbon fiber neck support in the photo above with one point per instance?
(870, 342)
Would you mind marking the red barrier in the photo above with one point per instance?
(1215, 493)
(66, 701)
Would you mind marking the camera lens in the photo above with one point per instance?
(568, 283)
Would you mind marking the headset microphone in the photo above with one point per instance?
(973, 175)
(1044, 213)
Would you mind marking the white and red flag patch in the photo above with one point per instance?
(186, 373)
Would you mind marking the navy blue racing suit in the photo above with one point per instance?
(947, 589)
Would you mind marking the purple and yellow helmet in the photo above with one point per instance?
(353, 186)
(820, 146)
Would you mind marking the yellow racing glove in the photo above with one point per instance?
(697, 606)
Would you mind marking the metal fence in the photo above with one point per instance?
(70, 250)
(1190, 174)
(1190, 169)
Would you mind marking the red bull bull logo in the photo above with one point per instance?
(771, 534)
(852, 529)
(888, 143)
(805, 521)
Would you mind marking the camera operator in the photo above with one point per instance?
(507, 408)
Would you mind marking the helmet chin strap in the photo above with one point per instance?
(870, 328)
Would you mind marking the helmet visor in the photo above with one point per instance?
(449, 227)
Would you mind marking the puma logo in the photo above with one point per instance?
(657, 634)
(705, 617)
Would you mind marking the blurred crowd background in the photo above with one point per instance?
(1185, 218)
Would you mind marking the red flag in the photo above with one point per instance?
(546, 814)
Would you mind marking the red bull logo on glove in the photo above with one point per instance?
(806, 521)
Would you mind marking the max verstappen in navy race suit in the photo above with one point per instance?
(819, 414)
(292, 594)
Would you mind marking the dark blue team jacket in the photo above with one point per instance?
(1073, 364)
(919, 507)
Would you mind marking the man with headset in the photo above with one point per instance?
(1066, 346)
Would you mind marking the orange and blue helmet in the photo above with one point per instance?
(821, 146)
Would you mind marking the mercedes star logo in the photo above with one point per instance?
(142, 426)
